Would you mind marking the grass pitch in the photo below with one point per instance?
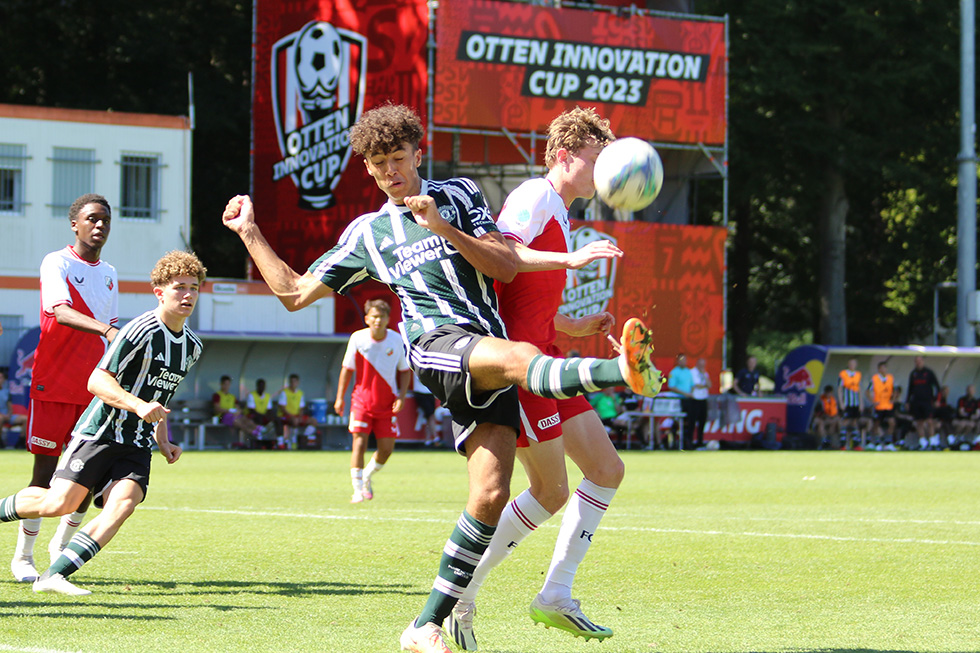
(706, 551)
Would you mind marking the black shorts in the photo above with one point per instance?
(426, 403)
(850, 412)
(97, 464)
(440, 358)
(921, 410)
(884, 415)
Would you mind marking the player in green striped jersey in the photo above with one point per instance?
(109, 454)
(436, 246)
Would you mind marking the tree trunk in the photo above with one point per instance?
(740, 321)
(833, 224)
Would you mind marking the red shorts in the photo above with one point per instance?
(541, 417)
(364, 422)
(49, 426)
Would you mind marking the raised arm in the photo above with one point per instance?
(294, 291)
(490, 253)
(532, 260)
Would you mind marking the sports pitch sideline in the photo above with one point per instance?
(701, 551)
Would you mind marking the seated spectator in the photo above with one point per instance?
(826, 419)
(225, 407)
(967, 416)
(608, 405)
(260, 411)
(292, 413)
(8, 417)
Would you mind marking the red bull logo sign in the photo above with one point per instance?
(798, 377)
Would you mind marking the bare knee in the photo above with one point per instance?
(609, 474)
(56, 505)
(551, 498)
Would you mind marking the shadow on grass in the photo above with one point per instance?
(231, 587)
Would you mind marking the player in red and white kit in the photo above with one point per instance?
(79, 313)
(534, 219)
(376, 356)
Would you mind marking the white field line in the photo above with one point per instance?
(31, 649)
(678, 531)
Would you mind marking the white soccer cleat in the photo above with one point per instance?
(459, 625)
(57, 584)
(568, 616)
(23, 569)
(357, 497)
(425, 639)
(367, 492)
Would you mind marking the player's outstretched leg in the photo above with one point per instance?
(636, 362)
(567, 615)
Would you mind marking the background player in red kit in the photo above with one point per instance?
(534, 219)
(79, 312)
(376, 356)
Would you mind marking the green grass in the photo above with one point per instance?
(711, 551)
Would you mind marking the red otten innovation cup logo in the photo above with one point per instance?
(318, 81)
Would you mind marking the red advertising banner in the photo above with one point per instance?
(670, 276)
(516, 66)
(318, 65)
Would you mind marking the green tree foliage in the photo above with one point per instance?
(865, 91)
(126, 56)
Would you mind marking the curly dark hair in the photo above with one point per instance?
(575, 129)
(83, 201)
(383, 129)
(177, 264)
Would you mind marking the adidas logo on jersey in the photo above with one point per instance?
(386, 242)
(160, 357)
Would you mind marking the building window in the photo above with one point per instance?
(74, 175)
(140, 186)
(13, 162)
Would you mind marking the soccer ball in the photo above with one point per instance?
(318, 62)
(628, 174)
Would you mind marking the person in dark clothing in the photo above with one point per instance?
(921, 399)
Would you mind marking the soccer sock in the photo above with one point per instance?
(79, 550)
(582, 516)
(26, 534)
(66, 529)
(518, 520)
(561, 378)
(9, 513)
(372, 468)
(460, 556)
(355, 479)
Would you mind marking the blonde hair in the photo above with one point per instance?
(177, 264)
(575, 129)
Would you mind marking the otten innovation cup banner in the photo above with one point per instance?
(516, 66)
(319, 65)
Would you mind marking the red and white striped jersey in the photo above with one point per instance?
(65, 356)
(376, 364)
(535, 216)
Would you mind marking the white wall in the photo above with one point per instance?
(133, 245)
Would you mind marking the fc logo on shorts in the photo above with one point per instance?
(76, 465)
